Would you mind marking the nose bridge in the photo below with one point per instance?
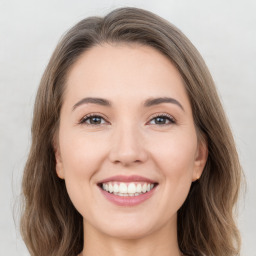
(127, 144)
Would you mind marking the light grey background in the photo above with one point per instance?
(224, 31)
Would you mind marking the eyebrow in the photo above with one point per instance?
(148, 103)
(98, 101)
(156, 101)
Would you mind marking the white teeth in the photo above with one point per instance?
(110, 188)
(116, 188)
(122, 188)
(138, 189)
(144, 188)
(131, 188)
(127, 189)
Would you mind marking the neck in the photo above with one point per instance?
(160, 242)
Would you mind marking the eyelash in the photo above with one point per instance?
(165, 116)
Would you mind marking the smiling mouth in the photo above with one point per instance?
(127, 189)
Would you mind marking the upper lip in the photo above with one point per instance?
(132, 178)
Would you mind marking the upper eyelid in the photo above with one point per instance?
(92, 115)
(162, 114)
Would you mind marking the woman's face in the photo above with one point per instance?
(127, 144)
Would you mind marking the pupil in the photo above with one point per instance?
(96, 120)
(160, 120)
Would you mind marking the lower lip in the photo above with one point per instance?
(127, 200)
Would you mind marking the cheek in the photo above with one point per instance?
(175, 159)
(81, 159)
(80, 154)
(176, 154)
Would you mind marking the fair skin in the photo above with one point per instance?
(126, 134)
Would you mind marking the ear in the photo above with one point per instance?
(59, 164)
(200, 159)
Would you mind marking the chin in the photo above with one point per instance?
(128, 234)
(128, 230)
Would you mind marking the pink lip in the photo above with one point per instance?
(132, 178)
(127, 200)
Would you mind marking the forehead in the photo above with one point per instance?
(124, 71)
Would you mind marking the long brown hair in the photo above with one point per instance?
(50, 225)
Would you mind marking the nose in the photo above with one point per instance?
(127, 146)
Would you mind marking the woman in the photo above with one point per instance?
(131, 151)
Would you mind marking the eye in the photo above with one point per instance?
(162, 119)
(93, 120)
